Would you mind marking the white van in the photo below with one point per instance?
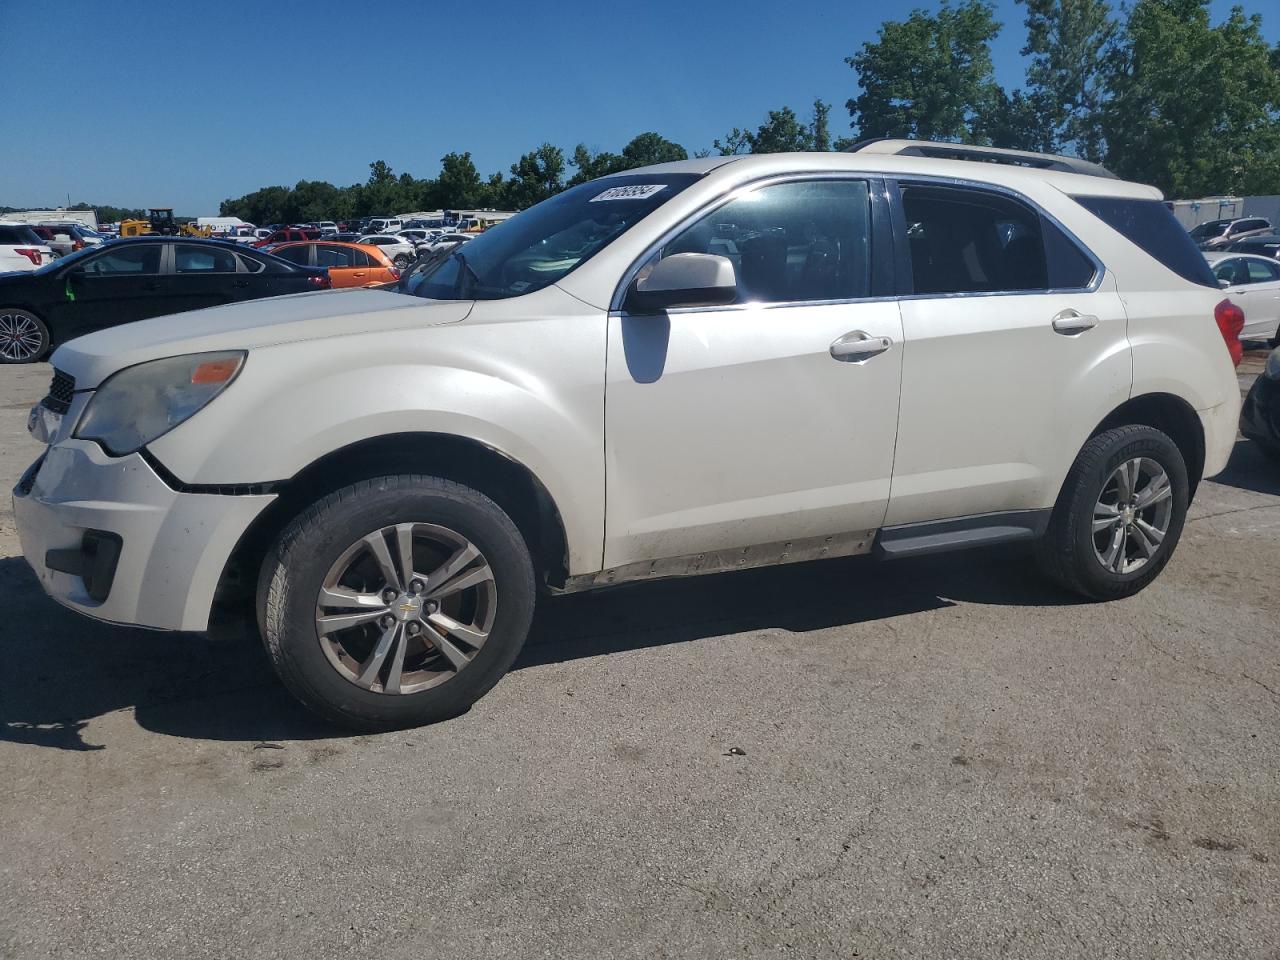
(388, 225)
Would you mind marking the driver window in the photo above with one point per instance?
(791, 242)
(136, 259)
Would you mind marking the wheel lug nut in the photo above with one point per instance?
(417, 586)
(414, 629)
(388, 595)
(388, 621)
(432, 606)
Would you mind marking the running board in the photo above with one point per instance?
(942, 536)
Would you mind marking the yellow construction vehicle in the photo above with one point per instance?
(160, 221)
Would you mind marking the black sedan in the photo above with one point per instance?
(1266, 245)
(1260, 418)
(134, 279)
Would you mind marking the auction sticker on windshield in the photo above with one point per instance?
(638, 191)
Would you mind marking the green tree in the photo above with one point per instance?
(782, 132)
(643, 150)
(1019, 121)
(537, 175)
(459, 184)
(929, 76)
(649, 148)
(1067, 41)
(1193, 107)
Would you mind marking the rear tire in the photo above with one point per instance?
(24, 338)
(400, 666)
(401, 261)
(1103, 542)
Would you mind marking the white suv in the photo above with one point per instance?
(695, 367)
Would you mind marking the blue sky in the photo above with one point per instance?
(163, 102)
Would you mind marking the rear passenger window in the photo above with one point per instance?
(791, 242)
(250, 264)
(974, 241)
(192, 259)
(1262, 272)
(327, 256)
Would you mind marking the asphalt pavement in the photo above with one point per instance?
(942, 757)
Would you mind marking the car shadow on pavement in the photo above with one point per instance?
(797, 598)
(63, 670)
(1250, 469)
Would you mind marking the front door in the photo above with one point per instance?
(116, 286)
(770, 421)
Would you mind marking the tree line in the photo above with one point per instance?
(1158, 93)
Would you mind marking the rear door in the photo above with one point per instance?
(348, 266)
(1005, 320)
(1261, 299)
(203, 276)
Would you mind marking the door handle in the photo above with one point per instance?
(858, 345)
(1070, 322)
(358, 273)
(151, 285)
(240, 283)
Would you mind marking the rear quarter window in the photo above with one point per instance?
(1151, 225)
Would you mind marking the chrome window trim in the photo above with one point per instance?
(874, 181)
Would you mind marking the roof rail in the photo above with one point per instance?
(965, 151)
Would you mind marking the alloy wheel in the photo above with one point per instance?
(20, 336)
(1132, 515)
(406, 608)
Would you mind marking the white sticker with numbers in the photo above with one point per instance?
(639, 191)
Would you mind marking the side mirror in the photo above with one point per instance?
(684, 280)
(1223, 284)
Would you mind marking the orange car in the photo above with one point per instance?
(350, 264)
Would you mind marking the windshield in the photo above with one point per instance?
(1214, 228)
(540, 245)
(74, 257)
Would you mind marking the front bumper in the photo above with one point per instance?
(173, 546)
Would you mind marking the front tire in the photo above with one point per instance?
(1119, 515)
(24, 338)
(396, 602)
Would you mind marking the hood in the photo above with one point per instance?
(256, 323)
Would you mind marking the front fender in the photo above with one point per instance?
(532, 390)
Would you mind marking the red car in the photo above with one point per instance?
(288, 235)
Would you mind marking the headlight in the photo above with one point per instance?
(139, 404)
(1272, 370)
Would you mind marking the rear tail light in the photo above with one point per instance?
(1230, 320)
(395, 272)
(77, 245)
(30, 253)
(322, 282)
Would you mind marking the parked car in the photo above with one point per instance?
(127, 280)
(386, 225)
(88, 236)
(446, 240)
(701, 366)
(1218, 234)
(61, 242)
(1260, 418)
(21, 248)
(1252, 283)
(287, 235)
(401, 250)
(1264, 245)
(349, 264)
(345, 237)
